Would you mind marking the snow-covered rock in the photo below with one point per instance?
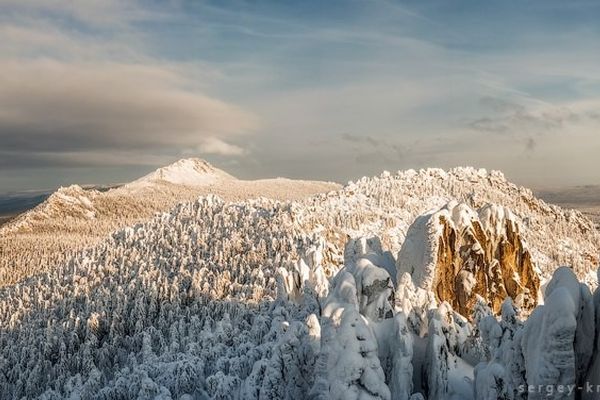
(459, 253)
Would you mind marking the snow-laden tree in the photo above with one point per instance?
(365, 351)
(475, 349)
(415, 303)
(558, 337)
(435, 372)
(177, 300)
(354, 369)
(550, 352)
(395, 351)
(593, 375)
(492, 382)
(289, 372)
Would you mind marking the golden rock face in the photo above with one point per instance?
(482, 254)
(495, 267)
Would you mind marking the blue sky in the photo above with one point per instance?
(101, 91)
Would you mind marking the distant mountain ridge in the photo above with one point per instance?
(584, 198)
(13, 203)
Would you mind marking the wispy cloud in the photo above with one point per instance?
(216, 146)
(512, 118)
(93, 13)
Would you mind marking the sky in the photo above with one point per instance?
(103, 91)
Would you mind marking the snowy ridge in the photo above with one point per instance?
(67, 202)
(387, 205)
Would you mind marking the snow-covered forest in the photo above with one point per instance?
(359, 293)
(73, 218)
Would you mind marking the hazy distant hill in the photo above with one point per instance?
(583, 198)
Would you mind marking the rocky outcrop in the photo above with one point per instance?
(459, 253)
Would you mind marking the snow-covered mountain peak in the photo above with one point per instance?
(188, 172)
(70, 202)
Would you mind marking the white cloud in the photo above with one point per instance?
(95, 94)
(216, 146)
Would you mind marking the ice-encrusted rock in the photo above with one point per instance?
(459, 253)
(369, 283)
(374, 290)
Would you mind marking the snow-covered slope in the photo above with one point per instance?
(67, 202)
(185, 302)
(74, 218)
